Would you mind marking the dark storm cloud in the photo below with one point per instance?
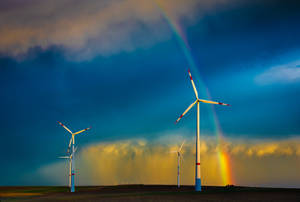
(246, 34)
(86, 28)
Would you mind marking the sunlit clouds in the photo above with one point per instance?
(255, 163)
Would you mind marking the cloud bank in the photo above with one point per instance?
(84, 29)
(253, 163)
(280, 74)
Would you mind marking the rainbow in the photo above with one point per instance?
(223, 156)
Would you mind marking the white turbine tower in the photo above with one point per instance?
(198, 174)
(72, 158)
(179, 158)
(70, 164)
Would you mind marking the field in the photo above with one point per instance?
(144, 193)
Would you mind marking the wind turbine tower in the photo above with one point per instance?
(69, 157)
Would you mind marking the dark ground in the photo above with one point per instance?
(144, 193)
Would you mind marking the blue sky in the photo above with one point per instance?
(136, 85)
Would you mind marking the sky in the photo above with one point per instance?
(121, 68)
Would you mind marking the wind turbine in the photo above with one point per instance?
(179, 158)
(198, 174)
(72, 158)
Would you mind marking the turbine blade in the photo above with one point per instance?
(181, 146)
(194, 87)
(82, 131)
(69, 147)
(213, 102)
(65, 127)
(186, 111)
(63, 157)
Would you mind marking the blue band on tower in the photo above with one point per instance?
(198, 184)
